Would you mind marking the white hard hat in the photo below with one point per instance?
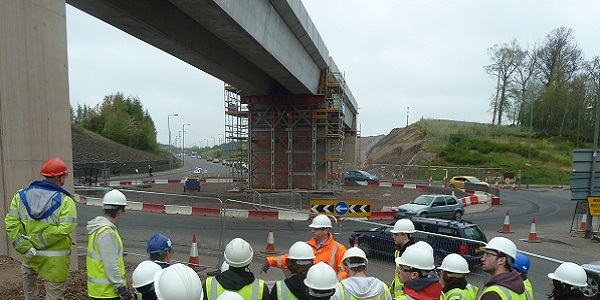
(321, 221)
(178, 282)
(228, 295)
(355, 252)
(321, 276)
(144, 273)
(504, 245)
(570, 273)
(454, 263)
(403, 226)
(418, 256)
(238, 253)
(224, 267)
(301, 251)
(114, 197)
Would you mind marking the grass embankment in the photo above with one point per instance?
(504, 147)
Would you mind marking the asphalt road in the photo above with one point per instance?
(552, 209)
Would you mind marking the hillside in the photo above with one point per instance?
(433, 147)
(89, 148)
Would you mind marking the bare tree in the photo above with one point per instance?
(505, 59)
(559, 58)
(525, 71)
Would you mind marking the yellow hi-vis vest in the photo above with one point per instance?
(504, 293)
(50, 236)
(469, 293)
(346, 295)
(283, 292)
(97, 283)
(252, 291)
(397, 287)
(528, 289)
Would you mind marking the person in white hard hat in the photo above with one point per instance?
(498, 258)
(402, 235)
(326, 249)
(567, 281)
(321, 281)
(143, 280)
(453, 273)
(300, 259)
(104, 262)
(415, 270)
(227, 295)
(238, 278)
(178, 282)
(358, 285)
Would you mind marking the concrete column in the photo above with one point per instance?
(34, 96)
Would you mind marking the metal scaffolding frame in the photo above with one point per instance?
(291, 141)
(235, 149)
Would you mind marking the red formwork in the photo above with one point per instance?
(283, 133)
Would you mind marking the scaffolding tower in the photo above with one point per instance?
(235, 149)
(289, 141)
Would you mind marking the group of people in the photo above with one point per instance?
(43, 216)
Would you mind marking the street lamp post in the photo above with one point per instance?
(183, 144)
(221, 140)
(530, 131)
(214, 143)
(169, 126)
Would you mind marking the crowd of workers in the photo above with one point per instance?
(42, 217)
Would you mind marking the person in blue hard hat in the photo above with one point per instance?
(160, 249)
(522, 265)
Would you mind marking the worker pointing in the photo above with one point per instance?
(325, 247)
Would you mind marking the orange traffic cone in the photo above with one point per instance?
(452, 191)
(514, 187)
(356, 241)
(194, 261)
(270, 243)
(583, 223)
(533, 233)
(496, 185)
(506, 225)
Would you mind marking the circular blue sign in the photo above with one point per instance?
(341, 208)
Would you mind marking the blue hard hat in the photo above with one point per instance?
(522, 263)
(158, 243)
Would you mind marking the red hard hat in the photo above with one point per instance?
(54, 167)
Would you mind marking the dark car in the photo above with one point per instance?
(192, 183)
(358, 175)
(438, 206)
(444, 236)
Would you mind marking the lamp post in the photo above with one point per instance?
(169, 126)
(221, 140)
(214, 143)
(530, 130)
(183, 143)
(207, 143)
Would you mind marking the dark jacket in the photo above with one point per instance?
(511, 280)
(295, 284)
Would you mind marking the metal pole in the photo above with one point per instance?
(170, 146)
(183, 144)
(530, 132)
(588, 224)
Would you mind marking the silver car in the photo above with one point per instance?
(437, 206)
(593, 279)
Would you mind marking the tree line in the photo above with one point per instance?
(120, 119)
(549, 85)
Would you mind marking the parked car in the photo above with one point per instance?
(215, 160)
(439, 206)
(459, 181)
(358, 175)
(444, 236)
(192, 183)
(209, 158)
(592, 291)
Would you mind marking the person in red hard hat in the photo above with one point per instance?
(39, 225)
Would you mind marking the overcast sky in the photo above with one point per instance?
(424, 55)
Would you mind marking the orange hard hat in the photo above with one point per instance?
(54, 167)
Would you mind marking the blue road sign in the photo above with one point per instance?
(341, 208)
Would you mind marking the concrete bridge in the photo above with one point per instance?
(268, 50)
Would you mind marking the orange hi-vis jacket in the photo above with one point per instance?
(331, 253)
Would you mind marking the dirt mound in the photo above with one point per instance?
(400, 146)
